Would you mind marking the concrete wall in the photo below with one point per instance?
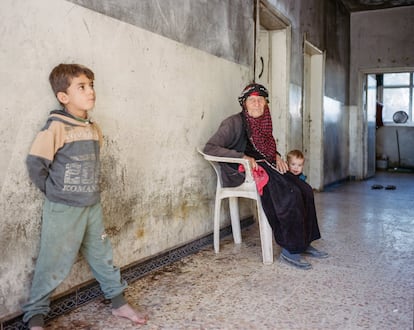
(221, 28)
(166, 75)
(381, 41)
(326, 25)
(390, 139)
(157, 100)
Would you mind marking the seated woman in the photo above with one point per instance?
(288, 202)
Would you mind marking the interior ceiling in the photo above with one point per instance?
(362, 5)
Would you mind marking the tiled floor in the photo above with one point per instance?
(366, 283)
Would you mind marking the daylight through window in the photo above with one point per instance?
(397, 95)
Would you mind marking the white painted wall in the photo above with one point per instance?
(156, 101)
(380, 40)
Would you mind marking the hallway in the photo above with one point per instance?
(366, 283)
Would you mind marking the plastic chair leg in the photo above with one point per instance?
(266, 236)
(235, 219)
(216, 229)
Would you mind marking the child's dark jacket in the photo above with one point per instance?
(63, 161)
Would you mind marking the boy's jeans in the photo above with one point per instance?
(66, 230)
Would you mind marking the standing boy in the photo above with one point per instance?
(64, 164)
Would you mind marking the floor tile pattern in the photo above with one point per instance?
(366, 283)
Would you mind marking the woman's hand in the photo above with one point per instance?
(281, 165)
(252, 162)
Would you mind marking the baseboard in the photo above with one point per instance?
(90, 291)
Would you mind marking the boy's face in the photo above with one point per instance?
(296, 165)
(79, 97)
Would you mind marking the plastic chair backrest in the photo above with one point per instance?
(215, 162)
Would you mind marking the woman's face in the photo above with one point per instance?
(255, 105)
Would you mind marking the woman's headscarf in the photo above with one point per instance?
(259, 129)
(253, 89)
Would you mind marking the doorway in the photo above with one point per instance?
(312, 118)
(272, 63)
(384, 138)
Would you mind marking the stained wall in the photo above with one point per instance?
(166, 75)
(157, 100)
(326, 25)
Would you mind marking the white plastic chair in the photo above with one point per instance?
(246, 190)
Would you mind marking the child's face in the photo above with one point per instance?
(296, 165)
(79, 97)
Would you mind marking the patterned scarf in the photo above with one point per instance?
(259, 131)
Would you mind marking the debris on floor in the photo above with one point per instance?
(378, 186)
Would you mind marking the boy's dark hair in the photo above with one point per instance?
(62, 75)
(295, 153)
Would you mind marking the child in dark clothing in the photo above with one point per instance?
(64, 164)
(296, 161)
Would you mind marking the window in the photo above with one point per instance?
(397, 95)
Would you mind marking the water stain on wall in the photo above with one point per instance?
(118, 204)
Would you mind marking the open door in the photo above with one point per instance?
(312, 125)
(272, 66)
